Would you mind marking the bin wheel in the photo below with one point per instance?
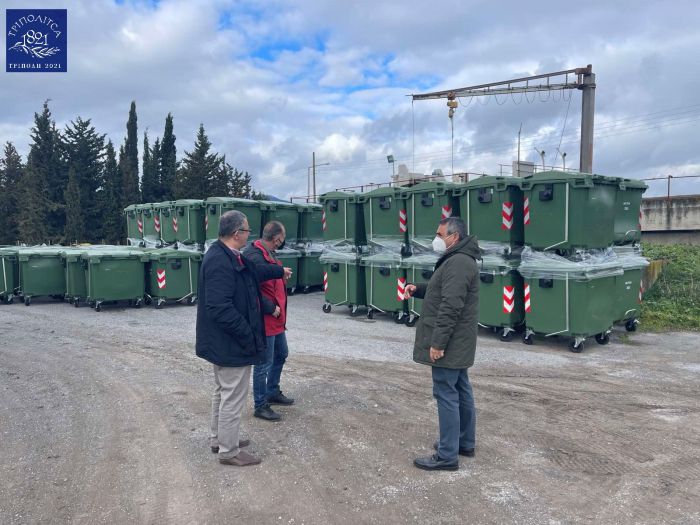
(159, 304)
(327, 308)
(576, 348)
(412, 320)
(370, 314)
(58, 298)
(602, 339)
(146, 300)
(305, 289)
(292, 290)
(27, 300)
(9, 299)
(98, 307)
(508, 336)
(70, 300)
(353, 310)
(527, 339)
(631, 325)
(399, 318)
(193, 300)
(76, 301)
(137, 303)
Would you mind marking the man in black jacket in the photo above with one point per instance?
(231, 331)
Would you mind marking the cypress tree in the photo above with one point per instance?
(114, 229)
(149, 183)
(155, 160)
(168, 161)
(11, 170)
(200, 170)
(33, 196)
(130, 170)
(75, 226)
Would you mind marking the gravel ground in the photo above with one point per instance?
(104, 419)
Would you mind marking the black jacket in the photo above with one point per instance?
(230, 326)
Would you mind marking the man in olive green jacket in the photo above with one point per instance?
(446, 340)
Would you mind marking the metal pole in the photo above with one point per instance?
(308, 183)
(313, 179)
(587, 117)
(668, 188)
(519, 132)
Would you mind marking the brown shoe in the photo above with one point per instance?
(242, 443)
(243, 459)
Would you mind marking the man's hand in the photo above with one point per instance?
(287, 272)
(436, 354)
(409, 291)
(277, 312)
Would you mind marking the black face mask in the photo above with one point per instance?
(281, 246)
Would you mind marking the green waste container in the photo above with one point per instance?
(9, 278)
(151, 225)
(310, 273)
(419, 269)
(571, 297)
(311, 222)
(75, 269)
(429, 203)
(343, 277)
(284, 212)
(628, 208)
(290, 259)
(385, 281)
(492, 208)
(501, 304)
(115, 275)
(385, 214)
(188, 221)
(41, 273)
(165, 212)
(629, 287)
(567, 211)
(172, 275)
(216, 206)
(134, 224)
(342, 217)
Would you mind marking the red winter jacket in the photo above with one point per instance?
(274, 292)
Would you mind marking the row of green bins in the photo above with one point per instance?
(385, 282)
(428, 203)
(216, 206)
(115, 274)
(289, 258)
(342, 217)
(9, 285)
(385, 214)
(311, 222)
(165, 222)
(629, 286)
(188, 221)
(75, 271)
(501, 298)
(172, 275)
(419, 269)
(284, 212)
(41, 272)
(572, 297)
(134, 224)
(343, 277)
(310, 274)
(628, 205)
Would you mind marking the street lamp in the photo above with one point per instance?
(390, 160)
(541, 154)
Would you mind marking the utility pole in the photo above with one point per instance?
(519, 131)
(587, 114)
(313, 171)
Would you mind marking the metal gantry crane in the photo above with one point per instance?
(583, 79)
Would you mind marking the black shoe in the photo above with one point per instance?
(265, 412)
(435, 463)
(468, 452)
(280, 399)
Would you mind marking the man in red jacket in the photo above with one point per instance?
(266, 376)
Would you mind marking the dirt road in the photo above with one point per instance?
(104, 419)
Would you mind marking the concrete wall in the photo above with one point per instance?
(672, 237)
(680, 213)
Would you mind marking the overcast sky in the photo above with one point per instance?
(272, 81)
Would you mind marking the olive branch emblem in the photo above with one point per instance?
(35, 51)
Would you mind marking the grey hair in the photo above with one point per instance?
(231, 222)
(455, 225)
(272, 229)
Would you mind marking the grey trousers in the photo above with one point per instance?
(227, 404)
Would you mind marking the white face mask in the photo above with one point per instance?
(439, 245)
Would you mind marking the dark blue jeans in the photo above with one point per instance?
(266, 376)
(456, 411)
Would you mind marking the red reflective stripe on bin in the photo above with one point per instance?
(526, 211)
(323, 220)
(507, 215)
(206, 222)
(402, 221)
(641, 291)
(527, 297)
(446, 211)
(401, 289)
(508, 299)
(325, 281)
(156, 222)
(139, 223)
(160, 275)
(175, 224)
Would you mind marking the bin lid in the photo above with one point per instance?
(382, 259)
(164, 204)
(440, 187)
(273, 205)
(130, 207)
(309, 208)
(231, 200)
(171, 253)
(141, 207)
(48, 251)
(339, 252)
(188, 202)
(490, 181)
(397, 193)
(425, 261)
(116, 253)
(339, 195)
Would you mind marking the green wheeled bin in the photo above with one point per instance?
(41, 273)
(165, 212)
(501, 304)
(571, 297)
(188, 221)
(568, 211)
(492, 208)
(115, 275)
(310, 222)
(628, 211)
(342, 217)
(216, 206)
(151, 225)
(343, 277)
(9, 278)
(310, 274)
(75, 268)
(428, 203)
(172, 276)
(419, 269)
(629, 287)
(134, 224)
(386, 216)
(385, 281)
(290, 259)
(284, 212)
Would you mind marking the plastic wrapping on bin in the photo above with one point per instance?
(584, 265)
(338, 252)
(495, 248)
(631, 257)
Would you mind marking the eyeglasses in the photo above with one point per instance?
(243, 230)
